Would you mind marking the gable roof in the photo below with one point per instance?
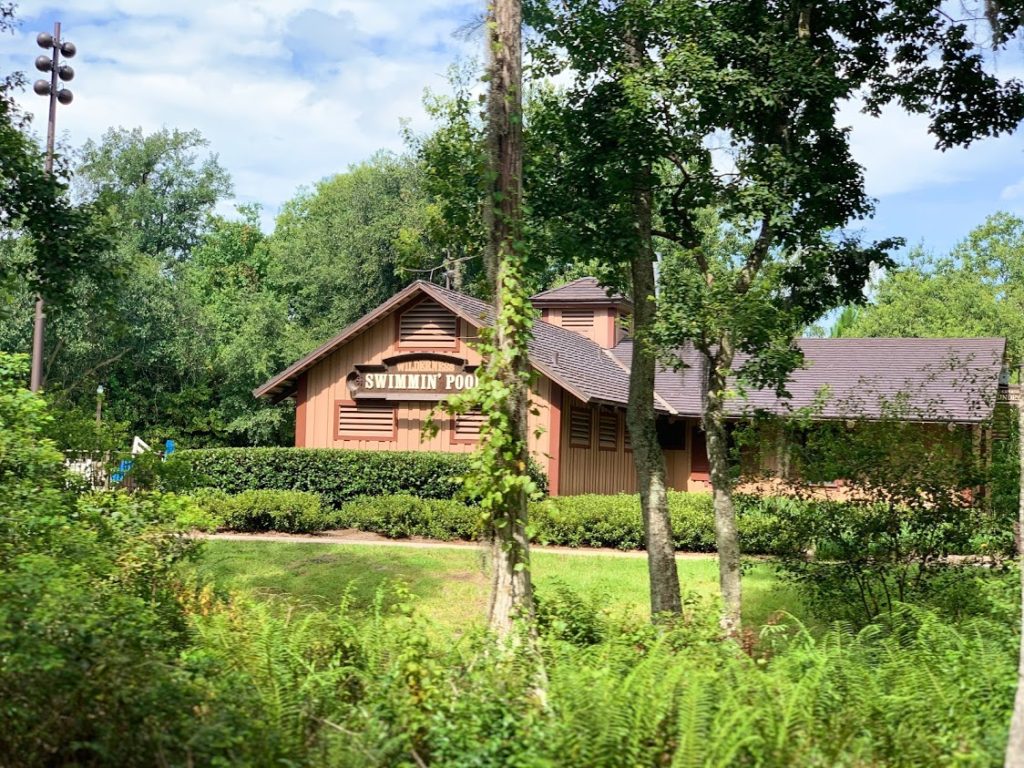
(585, 290)
(573, 362)
(943, 379)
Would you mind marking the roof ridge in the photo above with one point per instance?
(556, 288)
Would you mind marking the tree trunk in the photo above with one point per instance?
(727, 538)
(651, 475)
(640, 417)
(511, 590)
(1015, 744)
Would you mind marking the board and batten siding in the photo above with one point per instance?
(324, 388)
(597, 469)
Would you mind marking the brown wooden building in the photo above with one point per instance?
(373, 385)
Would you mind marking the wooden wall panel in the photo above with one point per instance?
(592, 470)
(325, 384)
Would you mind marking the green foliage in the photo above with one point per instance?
(48, 242)
(265, 510)
(975, 290)
(342, 248)
(336, 475)
(90, 621)
(911, 489)
(401, 515)
(155, 187)
(575, 521)
(345, 689)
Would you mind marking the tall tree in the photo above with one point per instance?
(977, 289)
(732, 107)
(1015, 740)
(145, 342)
(156, 187)
(505, 388)
(351, 242)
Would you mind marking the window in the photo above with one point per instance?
(367, 421)
(578, 319)
(428, 325)
(579, 427)
(466, 427)
(608, 430)
(671, 434)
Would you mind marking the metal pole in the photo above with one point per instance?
(36, 381)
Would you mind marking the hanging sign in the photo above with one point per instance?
(411, 379)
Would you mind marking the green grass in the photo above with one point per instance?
(451, 584)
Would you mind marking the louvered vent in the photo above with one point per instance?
(427, 325)
(467, 425)
(579, 427)
(366, 421)
(608, 430)
(578, 319)
(627, 441)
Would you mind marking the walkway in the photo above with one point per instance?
(362, 538)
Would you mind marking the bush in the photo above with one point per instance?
(336, 475)
(340, 688)
(570, 521)
(261, 511)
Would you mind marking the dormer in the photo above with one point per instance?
(586, 308)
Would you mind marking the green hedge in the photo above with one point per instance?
(574, 521)
(337, 475)
(267, 510)
(402, 515)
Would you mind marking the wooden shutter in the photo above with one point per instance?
(466, 426)
(366, 421)
(428, 325)
(627, 441)
(579, 320)
(579, 427)
(607, 430)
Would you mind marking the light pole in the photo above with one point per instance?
(99, 408)
(49, 88)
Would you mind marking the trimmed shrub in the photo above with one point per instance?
(402, 515)
(337, 475)
(570, 521)
(260, 511)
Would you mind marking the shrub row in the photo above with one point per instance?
(262, 511)
(336, 475)
(573, 521)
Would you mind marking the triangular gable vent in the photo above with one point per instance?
(428, 325)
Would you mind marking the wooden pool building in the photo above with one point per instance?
(372, 386)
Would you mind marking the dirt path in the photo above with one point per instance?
(351, 536)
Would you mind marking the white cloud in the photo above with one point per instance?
(899, 155)
(290, 91)
(1013, 191)
(286, 92)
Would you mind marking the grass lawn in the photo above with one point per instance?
(451, 584)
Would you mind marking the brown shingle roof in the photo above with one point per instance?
(945, 379)
(941, 379)
(575, 362)
(585, 290)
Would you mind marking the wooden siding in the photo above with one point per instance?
(600, 470)
(601, 329)
(325, 388)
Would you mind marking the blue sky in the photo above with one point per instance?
(290, 91)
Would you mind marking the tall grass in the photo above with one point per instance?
(332, 688)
